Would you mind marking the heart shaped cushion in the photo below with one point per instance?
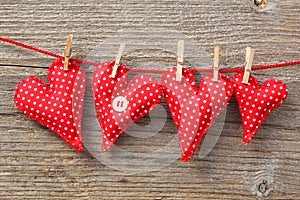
(58, 106)
(194, 109)
(119, 103)
(256, 103)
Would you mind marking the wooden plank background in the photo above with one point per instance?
(35, 163)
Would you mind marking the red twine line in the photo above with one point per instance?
(235, 70)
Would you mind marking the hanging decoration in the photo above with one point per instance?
(195, 109)
(58, 106)
(120, 102)
(257, 102)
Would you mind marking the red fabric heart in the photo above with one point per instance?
(256, 103)
(194, 109)
(119, 103)
(58, 106)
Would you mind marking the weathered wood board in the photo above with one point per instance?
(36, 164)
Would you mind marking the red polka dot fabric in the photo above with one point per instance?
(58, 106)
(195, 109)
(120, 103)
(257, 102)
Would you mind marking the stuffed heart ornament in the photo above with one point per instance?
(195, 109)
(256, 103)
(120, 103)
(58, 106)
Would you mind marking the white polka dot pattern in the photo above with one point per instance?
(119, 103)
(58, 106)
(194, 109)
(256, 103)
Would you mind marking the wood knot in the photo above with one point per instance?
(263, 187)
(124, 180)
(260, 3)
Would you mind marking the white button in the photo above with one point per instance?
(120, 104)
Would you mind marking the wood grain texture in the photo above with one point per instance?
(36, 164)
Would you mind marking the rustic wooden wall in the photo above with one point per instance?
(35, 163)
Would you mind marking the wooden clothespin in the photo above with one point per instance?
(180, 52)
(216, 63)
(68, 52)
(249, 61)
(118, 60)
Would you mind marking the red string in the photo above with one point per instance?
(31, 48)
(235, 70)
(84, 62)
